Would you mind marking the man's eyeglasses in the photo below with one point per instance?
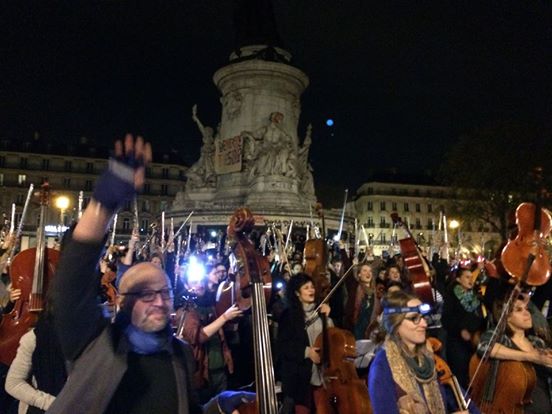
(149, 295)
(415, 319)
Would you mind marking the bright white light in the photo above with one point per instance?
(62, 202)
(213, 233)
(196, 270)
(336, 238)
(279, 285)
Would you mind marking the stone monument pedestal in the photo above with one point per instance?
(273, 191)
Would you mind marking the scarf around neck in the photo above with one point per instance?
(420, 384)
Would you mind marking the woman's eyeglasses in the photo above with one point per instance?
(148, 295)
(415, 319)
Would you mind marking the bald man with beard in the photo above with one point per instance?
(134, 364)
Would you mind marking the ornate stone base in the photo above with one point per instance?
(273, 191)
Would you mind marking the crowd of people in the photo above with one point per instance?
(165, 343)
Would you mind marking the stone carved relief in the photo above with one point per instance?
(202, 173)
(232, 104)
(270, 150)
(306, 182)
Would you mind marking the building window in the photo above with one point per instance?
(2, 161)
(383, 223)
(126, 223)
(416, 192)
(19, 199)
(383, 238)
(369, 206)
(370, 190)
(67, 182)
(382, 205)
(406, 208)
(68, 165)
(394, 206)
(145, 205)
(145, 225)
(45, 164)
(88, 185)
(418, 223)
(163, 205)
(429, 223)
(23, 162)
(164, 189)
(89, 167)
(165, 172)
(429, 208)
(1, 179)
(21, 179)
(147, 188)
(418, 208)
(370, 222)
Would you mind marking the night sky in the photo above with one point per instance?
(402, 80)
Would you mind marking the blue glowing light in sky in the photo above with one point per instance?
(329, 122)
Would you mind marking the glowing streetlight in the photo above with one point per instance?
(62, 202)
(454, 224)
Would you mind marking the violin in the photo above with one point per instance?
(31, 271)
(253, 272)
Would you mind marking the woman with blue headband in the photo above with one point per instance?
(402, 377)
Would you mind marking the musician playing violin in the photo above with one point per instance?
(402, 377)
(298, 358)
(517, 345)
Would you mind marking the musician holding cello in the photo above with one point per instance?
(298, 357)
(517, 345)
(402, 377)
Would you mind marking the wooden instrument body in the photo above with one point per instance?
(417, 270)
(22, 317)
(344, 391)
(529, 241)
(514, 384)
(316, 266)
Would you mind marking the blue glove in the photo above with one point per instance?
(228, 401)
(116, 184)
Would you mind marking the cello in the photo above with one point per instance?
(416, 264)
(525, 259)
(31, 271)
(253, 272)
(344, 391)
(316, 258)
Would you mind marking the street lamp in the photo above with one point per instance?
(454, 225)
(62, 202)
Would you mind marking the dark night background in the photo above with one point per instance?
(402, 80)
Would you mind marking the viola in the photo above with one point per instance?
(445, 375)
(416, 264)
(253, 272)
(31, 271)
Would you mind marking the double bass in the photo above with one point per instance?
(31, 271)
(253, 271)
